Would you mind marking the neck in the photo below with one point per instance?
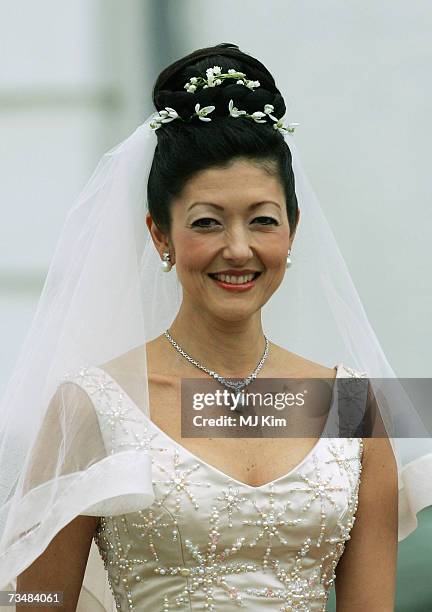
(230, 348)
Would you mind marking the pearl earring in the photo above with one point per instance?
(288, 261)
(166, 264)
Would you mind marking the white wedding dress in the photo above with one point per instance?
(210, 542)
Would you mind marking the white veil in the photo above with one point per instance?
(105, 296)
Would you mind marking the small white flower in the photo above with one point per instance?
(268, 108)
(271, 116)
(232, 71)
(252, 84)
(240, 83)
(209, 72)
(194, 80)
(205, 87)
(258, 117)
(207, 109)
(191, 88)
(279, 126)
(167, 115)
(217, 69)
(235, 112)
(203, 112)
(187, 85)
(218, 82)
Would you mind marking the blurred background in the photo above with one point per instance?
(76, 78)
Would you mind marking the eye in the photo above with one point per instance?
(205, 222)
(266, 220)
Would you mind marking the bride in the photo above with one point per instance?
(201, 522)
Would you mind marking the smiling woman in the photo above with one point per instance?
(183, 520)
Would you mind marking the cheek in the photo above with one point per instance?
(273, 249)
(193, 251)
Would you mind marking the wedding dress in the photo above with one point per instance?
(211, 542)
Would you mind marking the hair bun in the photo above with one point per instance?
(169, 87)
(220, 96)
(185, 149)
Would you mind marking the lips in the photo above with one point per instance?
(238, 278)
(235, 284)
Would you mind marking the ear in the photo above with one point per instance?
(295, 229)
(160, 240)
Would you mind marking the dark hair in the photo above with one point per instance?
(186, 148)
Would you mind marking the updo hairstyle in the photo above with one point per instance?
(186, 148)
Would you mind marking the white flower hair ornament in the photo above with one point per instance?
(215, 77)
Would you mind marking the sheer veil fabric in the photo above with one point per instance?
(105, 296)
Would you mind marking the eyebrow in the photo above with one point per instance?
(250, 207)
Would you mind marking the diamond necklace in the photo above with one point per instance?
(236, 386)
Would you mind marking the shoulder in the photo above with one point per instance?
(153, 361)
(154, 355)
(72, 392)
(292, 364)
(125, 361)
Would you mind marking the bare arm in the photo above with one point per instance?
(366, 573)
(62, 565)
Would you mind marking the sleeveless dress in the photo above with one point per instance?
(210, 542)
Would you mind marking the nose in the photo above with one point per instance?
(237, 245)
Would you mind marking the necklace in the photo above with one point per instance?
(236, 386)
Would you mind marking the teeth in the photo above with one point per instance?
(234, 280)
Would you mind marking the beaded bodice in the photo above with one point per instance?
(210, 542)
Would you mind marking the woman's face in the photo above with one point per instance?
(230, 221)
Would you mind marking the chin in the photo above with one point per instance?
(232, 313)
